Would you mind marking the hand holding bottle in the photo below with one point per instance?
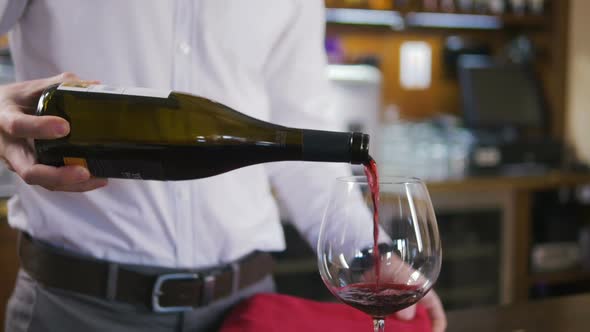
(145, 134)
(19, 127)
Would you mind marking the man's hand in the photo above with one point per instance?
(435, 310)
(18, 129)
(397, 271)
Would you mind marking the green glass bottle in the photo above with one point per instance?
(138, 133)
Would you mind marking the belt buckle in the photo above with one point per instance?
(156, 291)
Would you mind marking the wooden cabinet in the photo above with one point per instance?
(512, 196)
(8, 260)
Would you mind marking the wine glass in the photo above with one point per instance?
(395, 271)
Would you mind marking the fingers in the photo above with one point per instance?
(436, 311)
(20, 159)
(37, 86)
(55, 177)
(19, 156)
(7, 164)
(407, 313)
(93, 183)
(18, 129)
(66, 178)
(18, 125)
(19, 98)
(26, 93)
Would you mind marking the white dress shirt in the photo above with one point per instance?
(262, 57)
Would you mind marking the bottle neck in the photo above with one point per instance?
(359, 148)
(330, 146)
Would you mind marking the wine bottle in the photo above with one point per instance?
(139, 133)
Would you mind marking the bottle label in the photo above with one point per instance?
(124, 169)
(73, 161)
(101, 88)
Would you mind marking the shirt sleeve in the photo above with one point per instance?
(300, 97)
(10, 12)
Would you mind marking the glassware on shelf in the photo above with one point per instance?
(426, 150)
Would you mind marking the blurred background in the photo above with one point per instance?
(484, 99)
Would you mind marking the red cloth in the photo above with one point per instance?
(282, 313)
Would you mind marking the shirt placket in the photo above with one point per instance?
(181, 81)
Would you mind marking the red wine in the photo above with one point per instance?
(380, 300)
(373, 181)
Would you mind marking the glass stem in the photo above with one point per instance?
(379, 324)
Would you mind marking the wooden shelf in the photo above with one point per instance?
(534, 182)
(3, 209)
(560, 277)
(430, 20)
(365, 17)
(525, 21)
(290, 266)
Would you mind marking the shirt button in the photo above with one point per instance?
(184, 48)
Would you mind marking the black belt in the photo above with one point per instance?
(167, 292)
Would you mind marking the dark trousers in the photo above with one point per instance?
(35, 308)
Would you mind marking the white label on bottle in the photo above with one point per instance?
(101, 88)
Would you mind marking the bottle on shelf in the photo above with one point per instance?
(536, 7)
(381, 4)
(497, 6)
(465, 6)
(447, 6)
(408, 5)
(518, 7)
(480, 6)
(430, 5)
(139, 133)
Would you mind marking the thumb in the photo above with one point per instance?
(37, 86)
(26, 93)
(407, 313)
